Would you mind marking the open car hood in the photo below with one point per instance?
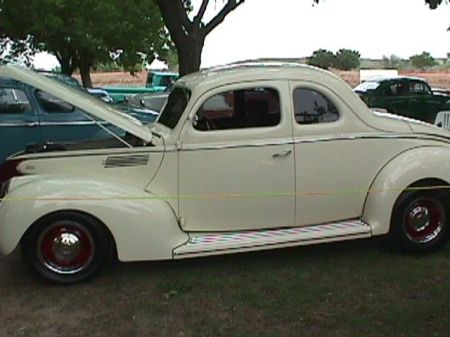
(79, 99)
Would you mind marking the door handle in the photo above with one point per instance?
(282, 154)
(32, 124)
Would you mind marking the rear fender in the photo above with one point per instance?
(409, 167)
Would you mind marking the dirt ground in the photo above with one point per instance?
(436, 79)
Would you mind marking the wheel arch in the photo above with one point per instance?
(142, 226)
(415, 168)
(62, 211)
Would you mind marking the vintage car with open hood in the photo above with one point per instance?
(248, 157)
(30, 116)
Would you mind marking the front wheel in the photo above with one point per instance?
(420, 221)
(66, 247)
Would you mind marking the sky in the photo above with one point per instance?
(295, 28)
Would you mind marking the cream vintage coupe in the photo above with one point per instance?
(248, 157)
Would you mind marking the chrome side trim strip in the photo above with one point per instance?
(221, 146)
(308, 140)
(68, 123)
(28, 124)
(319, 139)
(21, 124)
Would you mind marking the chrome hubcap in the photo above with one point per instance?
(419, 218)
(66, 247)
(424, 220)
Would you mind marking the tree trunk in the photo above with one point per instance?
(190, 55)
(189, 35)
(68, 65)
(85, 72)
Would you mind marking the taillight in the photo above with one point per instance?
(9, 170)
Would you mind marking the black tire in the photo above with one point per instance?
(67, 247)
(420, 221)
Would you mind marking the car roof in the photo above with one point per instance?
(163, 73)
(394, 78)
(253, 71)
(4, 81)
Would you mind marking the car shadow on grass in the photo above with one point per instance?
(307, 254)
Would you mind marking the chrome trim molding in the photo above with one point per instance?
(314, 139)
(221, 146)
(69, 123)
(343, 137)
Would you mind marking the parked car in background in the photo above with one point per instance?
(29, 116)
(73, 82)
(405, 96)
(100, 94)
(160, 80)
(441, 91)
(155, 82)
(241, 158)
(153, 101)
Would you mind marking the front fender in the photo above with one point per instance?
(429, 162)
(144, 227)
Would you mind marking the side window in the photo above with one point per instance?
(397, 89)
(311, 107)
(52, 104)
(13, 101)
(237, 109)
(419, 88)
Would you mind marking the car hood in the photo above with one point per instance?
(79, 99)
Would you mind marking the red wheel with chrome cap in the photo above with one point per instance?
(420, 221)
(67, 247)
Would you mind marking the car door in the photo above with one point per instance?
(393, 96)
(423, 102)
(19, 124)
(236, 164)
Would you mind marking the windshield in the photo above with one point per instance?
(366, 86)
(176, 103)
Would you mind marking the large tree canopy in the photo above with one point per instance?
(188, 34)
(83, 32)
(434, 3)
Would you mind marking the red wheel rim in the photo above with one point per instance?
(424, 220)
(66, 247)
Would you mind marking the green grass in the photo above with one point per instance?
(347, 289)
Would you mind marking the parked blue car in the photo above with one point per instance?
(31, 117)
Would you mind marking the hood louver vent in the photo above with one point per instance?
(126, 161)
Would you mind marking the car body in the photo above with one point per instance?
(100, 94)
(403, 95)
(242, 158)
(154, 101)
(156, 81)
(73, 82)
(160, 80)
(69, 80)
(29, 116)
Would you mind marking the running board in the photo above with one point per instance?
(223, 243)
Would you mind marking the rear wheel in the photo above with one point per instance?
(66, 247)
(420, 221)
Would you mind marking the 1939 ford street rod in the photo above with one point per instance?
(248, 157)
